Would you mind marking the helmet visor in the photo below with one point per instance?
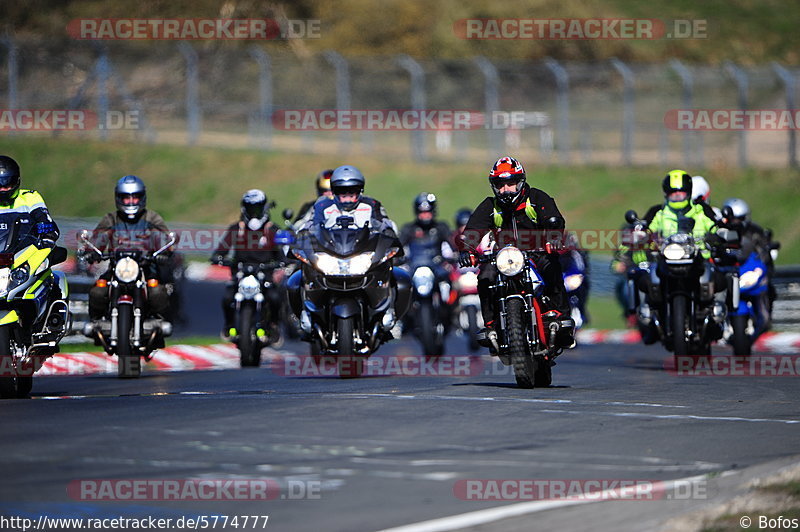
(677, 196)
(9, 181)
(499, 182)
(130, 199)
(254, 210)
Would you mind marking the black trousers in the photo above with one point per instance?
(549, 268)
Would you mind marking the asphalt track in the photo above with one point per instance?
(387, 451)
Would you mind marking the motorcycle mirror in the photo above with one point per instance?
(728, 235)
(727, 212)
(288, 214)
(58, 255)
(631, 216)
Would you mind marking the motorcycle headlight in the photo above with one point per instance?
(750, 279)
(42, 267)
(127, 270)
(423, 279)
(678, 251)
(510, 261)
(249, 287)
(358, 265)
(20, 275)
(573, 282)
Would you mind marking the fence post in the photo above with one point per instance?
(417, 101)
(791, 86)
(562, 104)
(192, 89)
(339, 63)
(492, 101)
(688, 91)
(12, 61)
(742, 84)
(628, 110)
(103, 72)
(264, 92)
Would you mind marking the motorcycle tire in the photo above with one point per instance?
(680, 345)
(740, 340)
(349, 363)
(9, 384)
(472, 328)
(521, 359)
(432, 346)
(129, 364)
(249, 350)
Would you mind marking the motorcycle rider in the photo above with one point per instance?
(250, 240)
(701, 191)
(752, 238)
(133, 223)
(16, 199)
(426, 226)
(517, 206)
(323, 185)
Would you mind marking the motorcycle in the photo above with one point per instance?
(468, 305)
(684, 313)
(35, 315)
(350, 296)
(126, 331)
(748, 313)
(526, 335)
(285, 239)
(253, 287)
(430, 318)
(575, 272)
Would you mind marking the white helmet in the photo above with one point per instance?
(739, 207)
(700, 188)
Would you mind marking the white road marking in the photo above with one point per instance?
(490, 515)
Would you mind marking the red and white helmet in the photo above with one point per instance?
(507, 170)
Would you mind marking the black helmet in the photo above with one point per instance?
(9, 178)
(462, 217)
(254, 209)
(130, 195)
(323, 182)
(677, 181)
(425, 202)
(347, 179)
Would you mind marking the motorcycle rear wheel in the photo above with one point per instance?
(521, 359)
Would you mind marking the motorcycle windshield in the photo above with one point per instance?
(17, 231)
(342, 241)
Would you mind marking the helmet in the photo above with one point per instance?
(347, 180)
(700, 188)
(130, 196)
(425, 202)
(9, 178)
(740, 208)
(324, 182)
(677, 187)
(254, 209)
(462, 217)
(507, 170)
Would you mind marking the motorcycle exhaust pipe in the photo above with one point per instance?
(321, 337)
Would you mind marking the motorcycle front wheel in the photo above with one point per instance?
(740, 340)
(129, 364)
(11, 384)
(249, 352)
(349, 363)
(521, 359)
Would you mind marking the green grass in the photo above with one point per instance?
(204, 185)
(605, 313)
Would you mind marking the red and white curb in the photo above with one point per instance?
(770, 342)
(172, 358)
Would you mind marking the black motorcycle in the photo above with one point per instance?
(526, 333)
(681, 307)
(431, 311)
(254, 320)
(127, 330)
(349, 299)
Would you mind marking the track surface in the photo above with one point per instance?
(380, 452)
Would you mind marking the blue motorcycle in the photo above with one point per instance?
(749, 313)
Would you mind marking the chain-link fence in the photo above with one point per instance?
(210, 93)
